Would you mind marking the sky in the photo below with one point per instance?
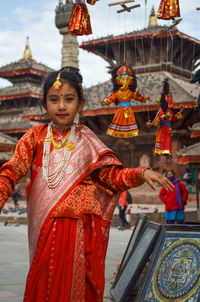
(36, 19)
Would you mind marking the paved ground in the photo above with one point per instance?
(14, 260)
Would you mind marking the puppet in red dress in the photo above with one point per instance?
(163, 121)
(124, 90)
(80, 19)
(168, 9)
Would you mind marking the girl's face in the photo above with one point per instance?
(63, 104)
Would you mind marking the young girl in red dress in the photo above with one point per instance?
(75, 184)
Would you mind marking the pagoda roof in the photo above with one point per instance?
(173, 48)
(13, 123)
(145, 33)
(5, 156)
(189, 155)
(7, 140)
(20, 90)
(24, 66)
(35, 114)
(195, 130)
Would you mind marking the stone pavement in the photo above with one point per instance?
(14, 260)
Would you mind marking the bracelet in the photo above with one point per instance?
(144, 169)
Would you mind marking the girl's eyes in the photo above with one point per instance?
(68, 99)
(52, 100)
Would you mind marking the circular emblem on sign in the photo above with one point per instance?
(177, 273)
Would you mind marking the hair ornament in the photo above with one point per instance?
(57, 83)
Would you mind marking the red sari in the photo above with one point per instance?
(68, 225)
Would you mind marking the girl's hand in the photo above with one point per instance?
(150, 176)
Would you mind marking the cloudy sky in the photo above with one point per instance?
(35, 18)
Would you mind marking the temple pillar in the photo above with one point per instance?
(70, 43)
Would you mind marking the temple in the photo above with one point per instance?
(154, 53)
(25, 76)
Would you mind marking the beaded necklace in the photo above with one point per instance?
(53, 179)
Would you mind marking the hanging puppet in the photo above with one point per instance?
(124, 90)
(80, 19)
(195, 79)
(168, 9)
(163, 120)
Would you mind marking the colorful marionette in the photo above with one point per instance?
(162, 121)
(124, 90)
(80, 19)
(195, 79)
(168, 9)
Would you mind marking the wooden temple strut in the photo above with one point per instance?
(128, 9)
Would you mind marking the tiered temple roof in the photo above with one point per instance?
(26, 76)
(171, 51)
(7, 146)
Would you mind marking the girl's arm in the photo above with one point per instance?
(18, 166)
(122, 179)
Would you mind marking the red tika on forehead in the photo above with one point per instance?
(124, 70)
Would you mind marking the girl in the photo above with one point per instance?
(74, 188)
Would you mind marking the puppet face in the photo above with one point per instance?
(124, 80)
(124, 77)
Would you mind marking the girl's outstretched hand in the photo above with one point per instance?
(150, 176)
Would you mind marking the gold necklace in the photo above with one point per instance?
(122, 96)
(69, 146)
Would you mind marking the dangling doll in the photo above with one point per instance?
(168, 9)
(80, 19)
(124, 90)
(163, 120)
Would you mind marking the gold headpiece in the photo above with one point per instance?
(57, 83)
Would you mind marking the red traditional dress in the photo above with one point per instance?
(123, 124)
(168, 9)
(163, 137)
(68, 226)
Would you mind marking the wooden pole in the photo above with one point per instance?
(198, 8)
(120, 2)
(130, 8)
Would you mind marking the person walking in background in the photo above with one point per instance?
(123, 204)
(187, 177)
(175, 200)
(16, 195)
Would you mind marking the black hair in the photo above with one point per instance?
(114, 75)
(172, 171)
(166, 91)
(67, 74)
